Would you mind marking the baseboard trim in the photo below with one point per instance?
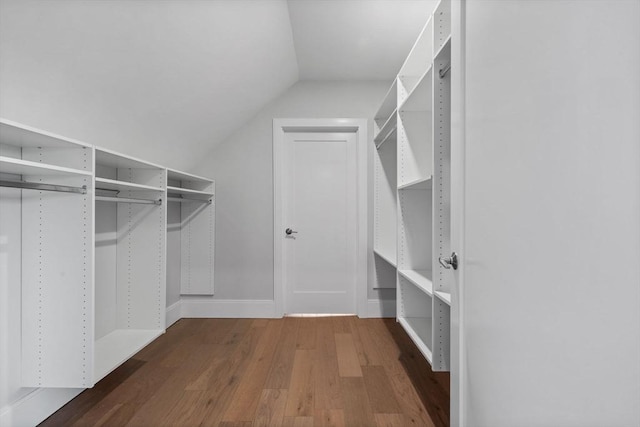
(381, 308)
(174, 313)
(37, 406)
(228, 308)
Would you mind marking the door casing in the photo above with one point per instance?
(357, 126)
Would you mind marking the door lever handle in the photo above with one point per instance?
(289, 231)
(448, 262)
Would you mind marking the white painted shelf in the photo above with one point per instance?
(444, 297)
(390, 258)
(388, 106)
(194, 194)
(420, 278)
(419, 329)
(116, 347)
(387, 128)
(419, 99)
(15, 166)
(418, 184)
(391, 137)
(112, 184)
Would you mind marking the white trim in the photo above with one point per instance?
(37, 406)
(377, 308)
(228, 308)
(458, 126)
(173, 313)
(359, 126)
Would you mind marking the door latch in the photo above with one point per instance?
(289, 231)
(448, 262)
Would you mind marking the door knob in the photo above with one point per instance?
(448, 262)
(289, 231)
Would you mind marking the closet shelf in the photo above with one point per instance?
(388, 104)
(418, 184)
(388, 258)
(15, 166)
(116, 347)
(444, 297)
(419, 99)
(419, 278)
(445, 50)
(387, 128)
(190, 194)
(391, 137)
(112, 184)
(419, 329)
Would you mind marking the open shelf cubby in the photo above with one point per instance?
(46, 190)
(191, 232)
(130, 236)
(415, 315)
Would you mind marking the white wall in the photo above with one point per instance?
(551, 248)
(159, 80)
(242, 168)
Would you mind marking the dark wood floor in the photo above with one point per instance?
(337, 371)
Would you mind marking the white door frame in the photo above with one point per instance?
(357, 126)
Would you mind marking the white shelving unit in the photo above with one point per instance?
(421, 162)
(194, 196)
(130, 257)
(47, 193)
(385, 191)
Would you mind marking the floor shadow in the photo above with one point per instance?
(85, 401)
(432, 387)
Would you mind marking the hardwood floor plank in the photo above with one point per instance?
(329, 418)
(371, 352)
(270, 411)
(300, 398)
(298, 422)
(245, 401)
(280, 371)
(379, 390)
(357, 409)
(348, 362)
(390, 420)
(328, 394)
(306, 339)
(341, 324)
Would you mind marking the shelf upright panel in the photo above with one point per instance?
(196, 196)
(54, 252)
(442, 185)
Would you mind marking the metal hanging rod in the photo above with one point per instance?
(128, 200)
(443, 71)
(110, 190)
(43, 187)
(188, 199)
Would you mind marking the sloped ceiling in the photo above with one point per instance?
(167, 80)
(355, 39)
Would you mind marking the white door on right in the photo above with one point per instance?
(550, 268)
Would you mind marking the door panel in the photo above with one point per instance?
(320, 206)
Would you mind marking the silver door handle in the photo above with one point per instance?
(289, 231)
(448, 262)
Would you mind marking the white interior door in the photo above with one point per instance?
(319, 201)
(549, 331)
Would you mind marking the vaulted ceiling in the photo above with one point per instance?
(186, 71)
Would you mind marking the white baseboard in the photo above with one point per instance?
(228, 308)
(174, 313)
(381, 308)
(37, 406)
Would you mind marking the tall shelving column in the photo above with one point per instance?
(130, 257)
(52, 203)
(415, 183)
(197, 230)
(442, 184)
(385, 191)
